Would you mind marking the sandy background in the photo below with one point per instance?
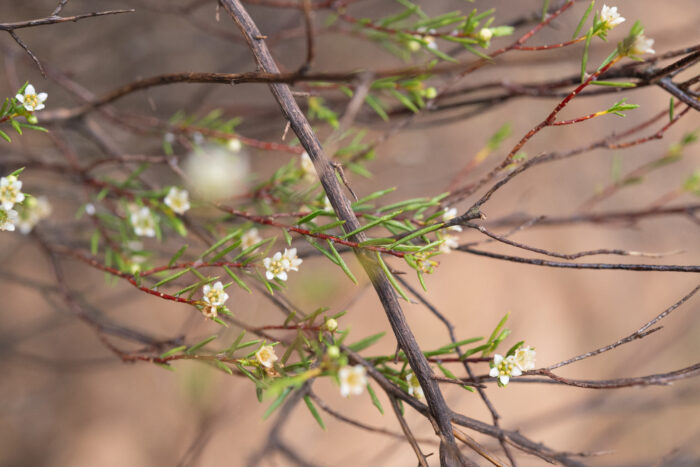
(66, 401)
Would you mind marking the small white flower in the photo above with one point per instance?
(525, 358)
(169, 137)
(449, 243)
(8, 218)
(307, 166)
(414, 388)
(33, 211)
(485, 34)
(214, 296)
(276, 267)
(90, 209)
(293, 260)
(178, 200)
(642, 45)
(429, 40)
(266, 356)
(234, 145)
(31, 100)
(330, 325)
(610, 17)
(142, 221)
(448, 215)
(504, 368)
(250, 238)
(10, 192)
(353, 380)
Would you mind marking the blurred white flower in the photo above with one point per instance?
(485, 34)
(142, 221)
(610, 17)
(178, 200)
(642, 45)
(8, 218)
(214, 296)
(10, 192)
(90, 209)
(353, 380)
(307, 166)
(234, 145)
(266, 356)
(414, 388)
(504, 368)
(169, 137)
(197, 138)
(449, 243)
(293, 260)
(250, 238)
(33, 210)
(448, 215)
(276, 267)
(31, 100)
(327, 206)
(217, 173)
(525, 358)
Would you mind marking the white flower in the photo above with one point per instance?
(525, 358)
(276, 267)
(266, 356)
(142, 221)
(10, 192)
(642, 45)
(485, 34)
(31, 100)
(307, 166)
(178, 200)
(448, 215)
(214, 296)
(330, 325)
(353, 380)
(169, 137)
(234, 145)
(504, 368)
(414, 388)
(610, 17)
(90, 209)
(294, 260)
(449, 243)
(429, 40)
(33, 210)
(214, 172)
(250, 238)
(8, 218)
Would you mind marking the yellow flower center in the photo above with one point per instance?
(31, 99)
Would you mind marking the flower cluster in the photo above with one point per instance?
(281, 263)
(504, 368)
(214, 296)
(10, 195)
(449, 214)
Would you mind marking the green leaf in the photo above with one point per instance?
(236, 279)
(391, 278)
(584, 58)
(340, 262)
(583, 19)
(314, 412)
(95, 242)
(173, 351)
(5, 136)
(177, 255)
(277, 402)
(171, 278)
(616, 84)
(366, 342)
(375, 399)
(376, 105)
(671, 108)
(201, 344)
(417, 233)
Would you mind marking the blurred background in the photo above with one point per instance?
(66, 400)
